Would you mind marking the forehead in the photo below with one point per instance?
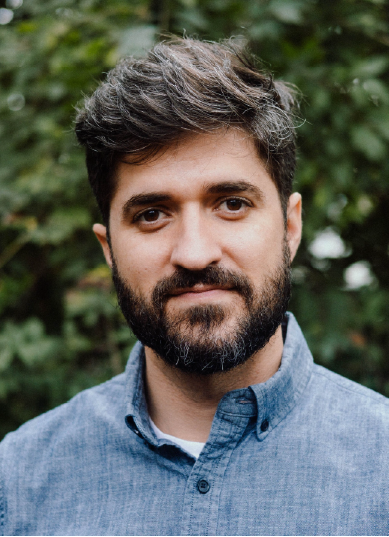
(193, 165)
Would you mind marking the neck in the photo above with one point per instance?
(184, 404)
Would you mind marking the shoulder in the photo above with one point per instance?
(349, 387)
(72, 419)
(51, 458)
(344, 400)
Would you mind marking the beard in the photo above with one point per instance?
(207, 339)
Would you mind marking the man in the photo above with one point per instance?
(221, 424)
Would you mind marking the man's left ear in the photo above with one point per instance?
(294, 223)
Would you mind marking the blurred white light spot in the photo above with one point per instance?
(16, 101)
(14, 4)
(6, 15)
(358, 275)
(328, 245)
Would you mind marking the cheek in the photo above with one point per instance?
(140, 262)
(256, 250)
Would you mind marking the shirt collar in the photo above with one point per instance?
(270, 401)
(277, 396)
(136, 407)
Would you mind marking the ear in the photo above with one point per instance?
(101, 233)
(294, 223)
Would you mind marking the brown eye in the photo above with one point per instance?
(234, 204)
(151, 215)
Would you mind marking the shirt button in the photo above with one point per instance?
(264, 426)
(203, 486)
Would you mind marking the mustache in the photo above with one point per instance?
(212, 275)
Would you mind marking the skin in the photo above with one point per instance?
(207, 200)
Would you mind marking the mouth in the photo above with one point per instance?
(201, 291)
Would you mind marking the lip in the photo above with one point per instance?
(200, 290)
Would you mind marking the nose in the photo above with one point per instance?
(196, 245)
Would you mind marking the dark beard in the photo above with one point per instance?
(186, 340)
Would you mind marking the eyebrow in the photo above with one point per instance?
(151, 198)
(225, 187)
(229, 187)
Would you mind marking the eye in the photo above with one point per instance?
(151, 215)
(234, 204)
(151, 219)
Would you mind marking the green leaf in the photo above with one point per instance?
(366, 140)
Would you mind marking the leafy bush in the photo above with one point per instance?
(61, 330)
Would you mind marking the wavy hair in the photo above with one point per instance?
(185, 86)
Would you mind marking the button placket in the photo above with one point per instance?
(200, 507)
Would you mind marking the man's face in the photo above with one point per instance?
(200, 252)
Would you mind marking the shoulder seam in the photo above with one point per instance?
(374, 396)
(2, 504)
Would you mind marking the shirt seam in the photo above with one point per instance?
(237, 415)
(218, 496)
(139, 383)
(218, 503)
(2, 505)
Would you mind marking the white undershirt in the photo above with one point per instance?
(194, 448)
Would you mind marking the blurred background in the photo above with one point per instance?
(60, 327)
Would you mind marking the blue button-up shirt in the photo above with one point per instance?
(304, 453)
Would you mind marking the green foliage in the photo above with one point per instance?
(61, 330)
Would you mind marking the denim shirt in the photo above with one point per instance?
(305, 453)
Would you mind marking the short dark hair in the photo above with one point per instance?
(185, 86)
